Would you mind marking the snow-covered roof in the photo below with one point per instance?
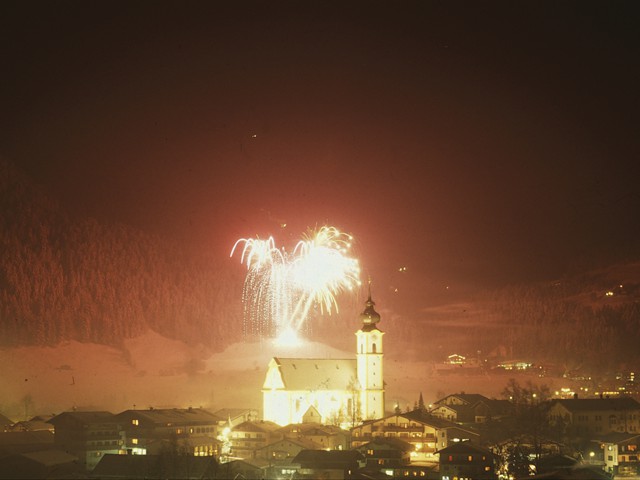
(317, 374)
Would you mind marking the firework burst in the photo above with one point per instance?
(281, 288)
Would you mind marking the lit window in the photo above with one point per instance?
(135, 421)
(470, 458)
(134, 441)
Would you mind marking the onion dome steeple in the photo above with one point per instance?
(369, 316)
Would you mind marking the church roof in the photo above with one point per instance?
(317, 373)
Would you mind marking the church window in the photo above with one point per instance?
(373, 347)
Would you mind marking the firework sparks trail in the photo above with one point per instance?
(280, 288)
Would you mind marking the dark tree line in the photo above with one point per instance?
(62, 279)
(554, 323)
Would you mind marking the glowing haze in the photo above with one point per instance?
(281, 287)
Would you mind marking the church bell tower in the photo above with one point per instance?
(369, 360)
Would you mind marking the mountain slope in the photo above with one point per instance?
(64, 279)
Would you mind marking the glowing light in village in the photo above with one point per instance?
(281, 287)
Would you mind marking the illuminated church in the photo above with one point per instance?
(330, 391)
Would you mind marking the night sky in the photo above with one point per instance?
(475, 143)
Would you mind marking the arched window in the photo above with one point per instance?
(373, 347)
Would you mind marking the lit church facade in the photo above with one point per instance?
(330, 391)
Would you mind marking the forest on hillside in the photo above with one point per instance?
(64, 279)
(79, 279)
(558, 323)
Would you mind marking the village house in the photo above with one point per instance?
(23, 442)
(157, 467)
(40, 464)
(248, 437)
(619, 453)
(425, 432)
(284, 450)
(591, 417)
(386, 453)
(333, 464)
(470, 408)
(464, 460)
(88, 435)
(231, 417)
(152, 431)
(326, 436)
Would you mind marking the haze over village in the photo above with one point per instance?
(300, 240)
